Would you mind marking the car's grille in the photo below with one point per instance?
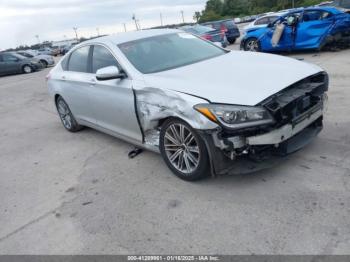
(294, 103)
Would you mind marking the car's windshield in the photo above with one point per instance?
(26, 54)
(21, 57)
(165, 52)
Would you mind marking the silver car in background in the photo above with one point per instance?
(45, 60)
(202, 107)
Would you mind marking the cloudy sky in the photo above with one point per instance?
(21, 20)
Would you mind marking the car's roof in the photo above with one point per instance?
(329, 9)
(132, 36)
(217, 21)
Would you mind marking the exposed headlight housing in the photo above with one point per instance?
(235, 117)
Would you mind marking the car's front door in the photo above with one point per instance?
(113, 100)
(76, 82)
(313, 28)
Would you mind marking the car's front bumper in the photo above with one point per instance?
(243, 154)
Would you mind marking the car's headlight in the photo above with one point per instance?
(235, 117)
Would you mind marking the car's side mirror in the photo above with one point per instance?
(109, 73)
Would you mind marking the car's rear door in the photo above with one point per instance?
(75, 84)
(313, 28)
(113, 100)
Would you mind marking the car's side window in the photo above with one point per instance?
(1, 58)
(315, 15)
(272, 19)
(9, 58)
(262, 21)
(78, 61)
(101, 57)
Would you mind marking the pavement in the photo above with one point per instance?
(64, 193)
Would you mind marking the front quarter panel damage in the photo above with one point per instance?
(154, 105)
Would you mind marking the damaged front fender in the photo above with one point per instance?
(153, 105)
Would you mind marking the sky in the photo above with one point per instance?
(53, 20)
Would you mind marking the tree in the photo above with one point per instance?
(217, 9)
(197, 16)
(209, 16)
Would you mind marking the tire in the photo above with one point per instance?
(232, 41)
(27, 69)
(44, 63)
(252, 44)
(183, 150)
(66, 116)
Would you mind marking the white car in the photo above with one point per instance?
(204, 108)
(263, 21)
(45, 60)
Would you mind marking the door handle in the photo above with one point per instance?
(63, 78)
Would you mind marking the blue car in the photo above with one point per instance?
(301, 29)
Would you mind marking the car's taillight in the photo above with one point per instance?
(208, 37)
(224, 29)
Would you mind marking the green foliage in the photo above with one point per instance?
(217, 9)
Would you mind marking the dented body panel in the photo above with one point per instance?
(316, 27)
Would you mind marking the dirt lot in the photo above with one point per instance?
(64, 193)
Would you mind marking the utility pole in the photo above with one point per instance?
(183, 17)
(124, 27)
(98, 31)
(161, 19)
(76, 32)
(293, 3)
(136, 22)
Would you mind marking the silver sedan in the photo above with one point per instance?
(202, 107)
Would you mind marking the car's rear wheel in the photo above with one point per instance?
(183, 150)
(232, 41)
(252, 44)
(66, 116)
(27, 69)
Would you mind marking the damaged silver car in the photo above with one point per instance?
(202, 107)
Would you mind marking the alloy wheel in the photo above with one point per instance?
(65, 114)
(27, 69)
(252, 45)
(182, 148)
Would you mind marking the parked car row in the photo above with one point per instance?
(45, 60)
(14, 63)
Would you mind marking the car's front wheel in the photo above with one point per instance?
(27, 69)
(183, 150)
(252, 44)
(66, 116)
(44, 63)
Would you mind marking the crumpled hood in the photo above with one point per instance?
(241, 78)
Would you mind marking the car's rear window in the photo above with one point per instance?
(165, 52)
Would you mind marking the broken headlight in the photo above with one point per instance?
(235, 117)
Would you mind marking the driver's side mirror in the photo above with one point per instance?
(109, 73)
